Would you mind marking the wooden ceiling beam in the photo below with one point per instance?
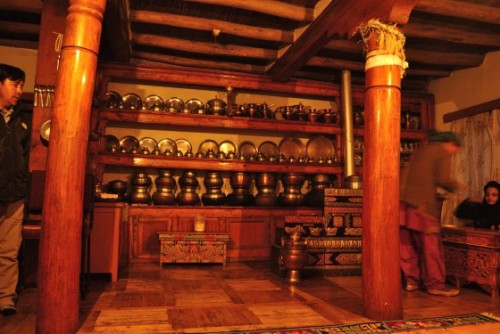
(21, 6)
(415, 55)
(202, 24)
(446, 33)
(16, 43)
(269, 7)
(20, 28)
(196, 63)
(117, 29)
(460, 9)
(204, 48)
(338, 64)
(339, 18)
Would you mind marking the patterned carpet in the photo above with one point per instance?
(396, 326)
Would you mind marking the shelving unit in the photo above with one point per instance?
(250, 228)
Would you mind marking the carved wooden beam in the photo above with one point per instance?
(460, 9)
(117, 28)
(339, 18)
(203, 48)
(197, 23)
(270, 7)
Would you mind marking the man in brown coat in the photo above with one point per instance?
(422, 261)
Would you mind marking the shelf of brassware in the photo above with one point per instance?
(215, 121)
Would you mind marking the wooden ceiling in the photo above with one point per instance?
(283, 39)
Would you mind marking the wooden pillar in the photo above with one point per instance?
(61, 233)
(380, 240)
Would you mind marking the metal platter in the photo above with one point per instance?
(174, 104)
(167, 144)
(129, 143)
(292, 147)
(208, 145)
(183, 146)
(194, 106)
(149, 144)
(154, 103)
(132, 101)
(247, 148)
(269, 148)
(320, 147)
(112, 99)
(111, 143)
(45, 130)
(227, 146)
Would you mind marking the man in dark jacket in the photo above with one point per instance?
(14, 150)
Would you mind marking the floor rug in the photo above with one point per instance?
(395, 326)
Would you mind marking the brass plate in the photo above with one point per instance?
(111, 143)
(167, 144)
(154, 103)
(174, 104)
(183, 145)
(247, 148)
(320, 147)
(208, 145)
(129, 143)
(292, 147)
(148, 143)
(132, 101)
(269, 148)
(195, 106)
(112, 99)
(227, 146)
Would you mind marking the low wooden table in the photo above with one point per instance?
(473, 255)
(193, 247)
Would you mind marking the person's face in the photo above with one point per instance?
(491, 195)
(10, 93)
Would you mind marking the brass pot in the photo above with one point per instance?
(216, 107)
(140, 195)
(214, 198)
(188, 196)
(265, 180)
(141, 179)
(291, 199)
(240, 179)
(293, 179)
(294, 254)
(164, 196)
(117, 187)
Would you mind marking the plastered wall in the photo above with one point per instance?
(466, 88)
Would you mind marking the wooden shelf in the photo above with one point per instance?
(156, 161)
(215, 122)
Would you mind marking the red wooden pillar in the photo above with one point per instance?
(380, 254)
(61, 233)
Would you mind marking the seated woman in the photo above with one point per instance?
(485, 213)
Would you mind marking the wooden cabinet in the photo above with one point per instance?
(251, 228)
(473, 255)
(105, 239)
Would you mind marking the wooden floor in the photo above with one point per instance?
(202, 298)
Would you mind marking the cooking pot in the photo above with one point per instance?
(216, 107)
